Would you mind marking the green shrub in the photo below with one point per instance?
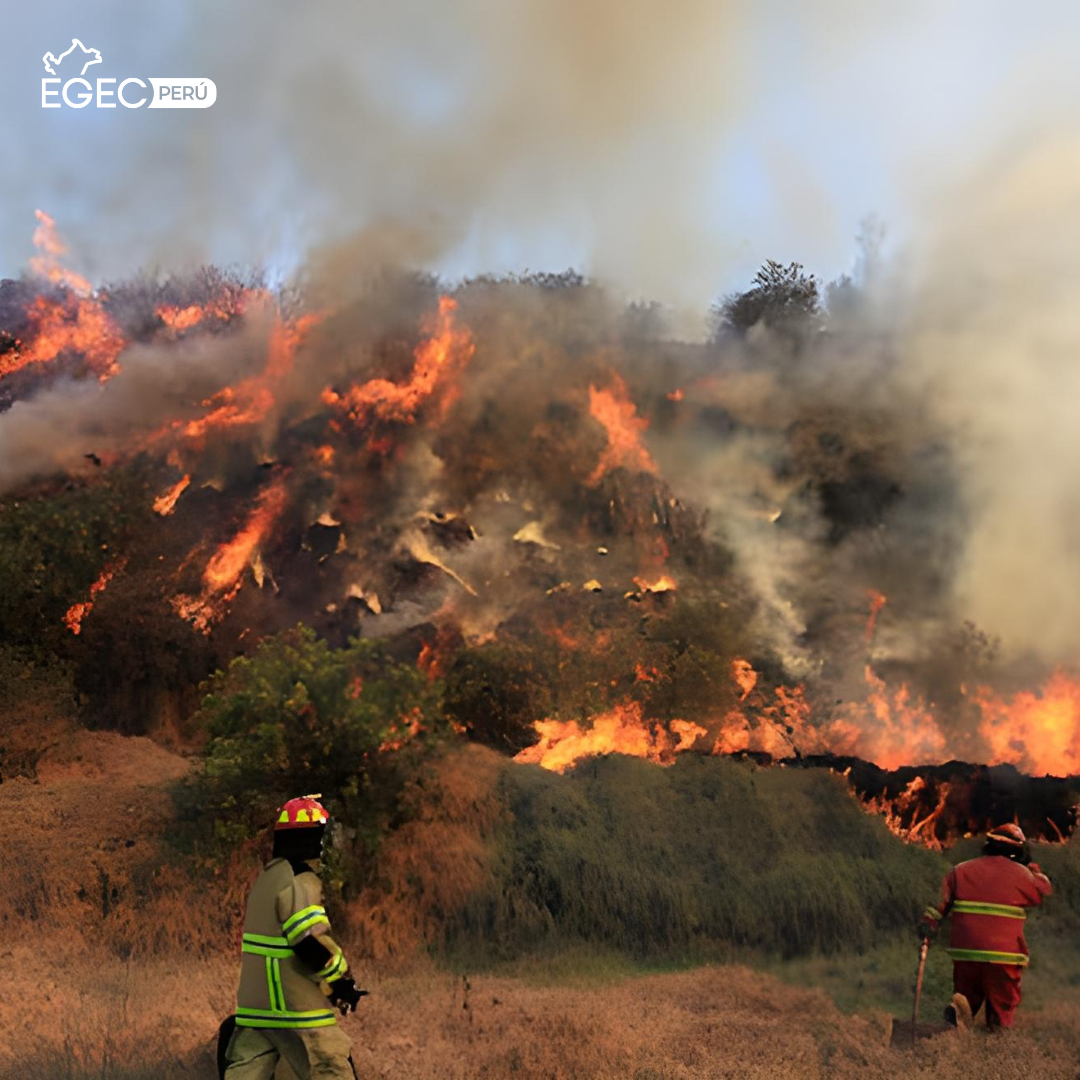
(299, 717)
(693, 862)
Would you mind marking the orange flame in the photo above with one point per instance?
(614, 409)
(887, 728)
(1037, 732)
(165, 503)
(224, 307)
(890, 729)
(622, 730)
(646, 674)
(742, 671)
(904, 808)
(47, 264)
(181, 318)
(76, 324)
(779, 726)
(73, 619)
(437, 359)
(252, 399)
(663, 583)
(877, 602)
(223, 576)
(688, 733)
(403, 732)
(433, 656)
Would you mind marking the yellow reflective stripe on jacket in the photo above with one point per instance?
(988, 956)
(264, 939)
(273, 985)
(335, 969)
(296, 926)
(268, 1018)
(262, 945)
(978, 907)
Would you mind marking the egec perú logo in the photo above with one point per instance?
(132, 93)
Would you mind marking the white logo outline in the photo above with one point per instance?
(48, 58)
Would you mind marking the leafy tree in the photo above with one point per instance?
(298, 716)
(782, 297)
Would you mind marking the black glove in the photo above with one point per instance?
(345, 994)
(928, 930)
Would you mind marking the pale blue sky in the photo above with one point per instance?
(836, 111)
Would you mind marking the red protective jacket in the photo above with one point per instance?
(986, 900)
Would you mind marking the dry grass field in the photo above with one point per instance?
(137, 1022)
(95, 986)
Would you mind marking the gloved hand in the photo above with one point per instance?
(345, 994)
(1035, 868)
(928, 929)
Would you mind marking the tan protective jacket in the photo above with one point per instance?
(277, 990)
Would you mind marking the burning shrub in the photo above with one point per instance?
(298, 716)
(53, 546)
(150, 685)
(495, 693)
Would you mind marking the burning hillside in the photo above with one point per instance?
(602, 539)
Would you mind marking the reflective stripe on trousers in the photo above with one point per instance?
(988, 956)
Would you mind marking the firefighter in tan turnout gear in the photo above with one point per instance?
(293, 975)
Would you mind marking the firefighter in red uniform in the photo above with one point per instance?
(986, 899)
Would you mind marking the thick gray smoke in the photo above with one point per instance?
(54, 431)
(379, 134)
(991, 339)
(587, 126)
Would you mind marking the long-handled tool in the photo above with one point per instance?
(905, 1032)
(924, 948)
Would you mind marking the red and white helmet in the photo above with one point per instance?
(303, 813)
(1009, 834)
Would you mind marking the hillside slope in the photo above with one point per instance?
(535, 893)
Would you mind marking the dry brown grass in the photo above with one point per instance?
(85, 862)
(111, 974)
(431, 865)
(133, 1022)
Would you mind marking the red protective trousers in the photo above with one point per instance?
(998, 985)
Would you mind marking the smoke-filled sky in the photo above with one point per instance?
(669, 148)
(666, 149)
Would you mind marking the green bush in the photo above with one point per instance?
(299, 717)
(52, 548)
(693, 862)
(495, 693)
